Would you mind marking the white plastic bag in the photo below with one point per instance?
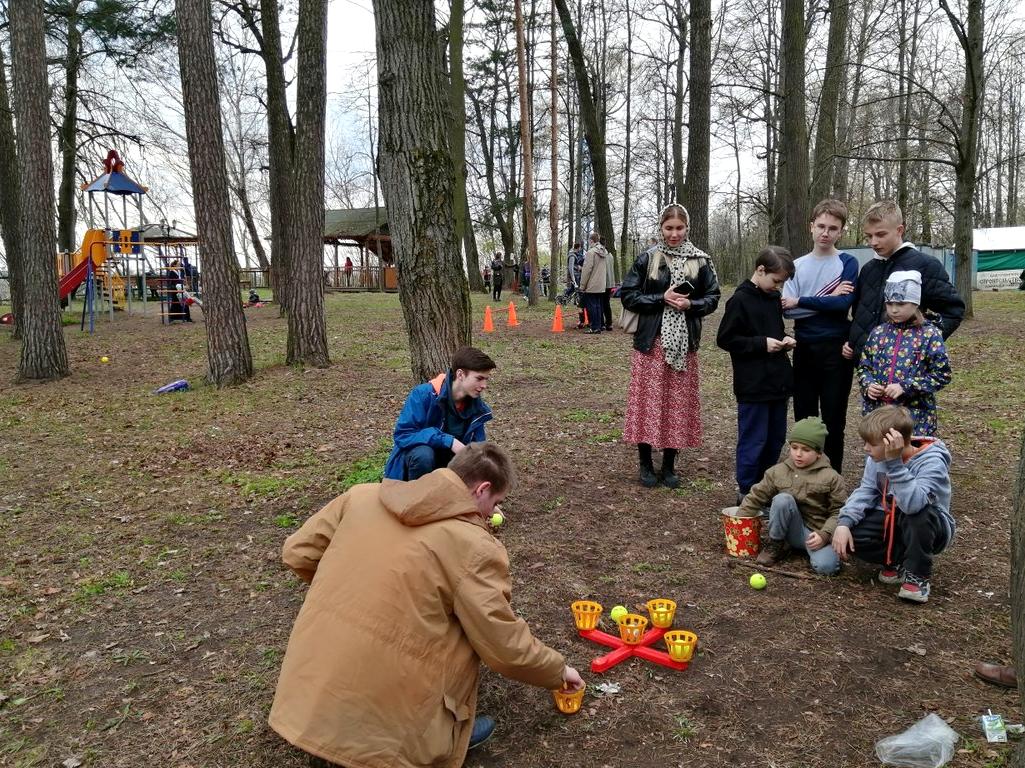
(929, 743)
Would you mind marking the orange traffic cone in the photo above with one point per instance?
(557, 322)
(512, 322)
(489, 325)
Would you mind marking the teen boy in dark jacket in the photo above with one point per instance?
(884, 230)
(752, 332)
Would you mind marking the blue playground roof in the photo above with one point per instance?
(115, 184)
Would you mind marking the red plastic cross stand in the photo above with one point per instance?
(624, 651)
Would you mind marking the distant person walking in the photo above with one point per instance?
(592, 282)
(497, 266)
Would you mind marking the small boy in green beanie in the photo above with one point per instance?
(804, 494)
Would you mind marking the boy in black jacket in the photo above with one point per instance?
(752, 332)
(883, 223)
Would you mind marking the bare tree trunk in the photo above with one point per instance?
(246, 206)
(417, 181)
(678, 96)
(695, 192)
(470, 243)
(829, 102)
(908, 67)
(228, 356)
(67, 137)
(281, 140)
(526, 145)
(572, 169)
(307, 328)
(10, 199)
(624, 259)
(457, 137)
(43, 353)
(238, 183)
(842, 171)
(1014, 127)
(795, 130)
(555, 268)
(592, 130)
(925, 185)
(970, 37)
(1018, 584)
(771, 108)
(503, 224)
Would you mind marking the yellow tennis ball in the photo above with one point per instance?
(618, 612)
(497, 519)
(104, 359)
(757, 581)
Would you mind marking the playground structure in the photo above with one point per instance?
(122, 266)
(364, 234)
(633, 640)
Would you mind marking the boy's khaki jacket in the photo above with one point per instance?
(410, 591)
(818, 490)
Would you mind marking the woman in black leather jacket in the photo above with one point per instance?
(670, 287)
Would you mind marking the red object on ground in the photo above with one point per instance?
(623, 651)
(7, 318)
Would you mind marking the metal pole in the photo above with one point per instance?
(141, 264)
(90, 294)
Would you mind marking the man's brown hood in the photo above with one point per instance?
(441, 495)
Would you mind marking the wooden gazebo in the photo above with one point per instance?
(365, 229)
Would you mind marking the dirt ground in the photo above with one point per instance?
(144, 610)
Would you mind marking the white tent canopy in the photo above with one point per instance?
(999, 239)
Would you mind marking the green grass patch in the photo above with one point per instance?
(286, 520)
(581, 415)
(100, 586)
(255, 486)
(640, 568)
(611, 436)
(368, 469)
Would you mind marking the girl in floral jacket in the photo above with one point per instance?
(905, 361)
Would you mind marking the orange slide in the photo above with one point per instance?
(92, 245)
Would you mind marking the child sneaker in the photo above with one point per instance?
(914, 588)
(891, 574)
(774, 551)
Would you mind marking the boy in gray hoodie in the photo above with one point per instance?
(899, 516)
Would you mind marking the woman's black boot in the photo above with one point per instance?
(669, 477)
(648, 477)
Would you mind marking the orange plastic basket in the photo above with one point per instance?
(631, 628)
(586, 614)
(681, 644)
(568, 702)
(662, 612)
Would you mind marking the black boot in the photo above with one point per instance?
(669, 477)
(648, 477)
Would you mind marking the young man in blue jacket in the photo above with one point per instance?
(441, 417)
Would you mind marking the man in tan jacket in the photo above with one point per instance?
(409, 593)
(593, 283)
